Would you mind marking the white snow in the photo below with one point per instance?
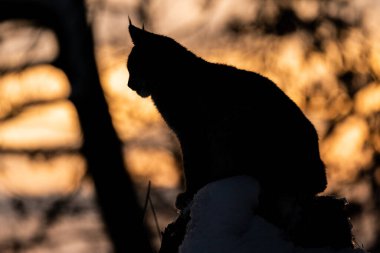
(223, 221)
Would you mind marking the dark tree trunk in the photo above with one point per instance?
(101, 148)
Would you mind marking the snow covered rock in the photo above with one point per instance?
(223, 220)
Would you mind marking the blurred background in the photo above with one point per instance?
(324, 54)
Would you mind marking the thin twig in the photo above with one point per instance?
(155, 217)
(146, 201)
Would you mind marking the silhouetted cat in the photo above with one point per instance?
(228, 121)
(234, 122)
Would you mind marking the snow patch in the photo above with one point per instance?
(223, 221)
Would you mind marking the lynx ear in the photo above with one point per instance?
(137, 34)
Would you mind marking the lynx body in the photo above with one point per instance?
(228, 121)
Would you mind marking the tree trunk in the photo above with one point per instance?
(115, 193)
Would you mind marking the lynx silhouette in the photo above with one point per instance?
(228, 121)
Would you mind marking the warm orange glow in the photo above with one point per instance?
(43, 120)
(42, 126)
(367, 100)
(130, 113)
(155, 165)
(24, 175)
(137, 119)
(40, 83)
(345, 152)
(35, 112)
(306, 9)
(21, 44)
(375, 56)
(281, 59)
(354, 50)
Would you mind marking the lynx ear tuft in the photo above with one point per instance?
(134, 32)
(137, 34)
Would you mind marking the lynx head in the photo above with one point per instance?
(153, 60)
